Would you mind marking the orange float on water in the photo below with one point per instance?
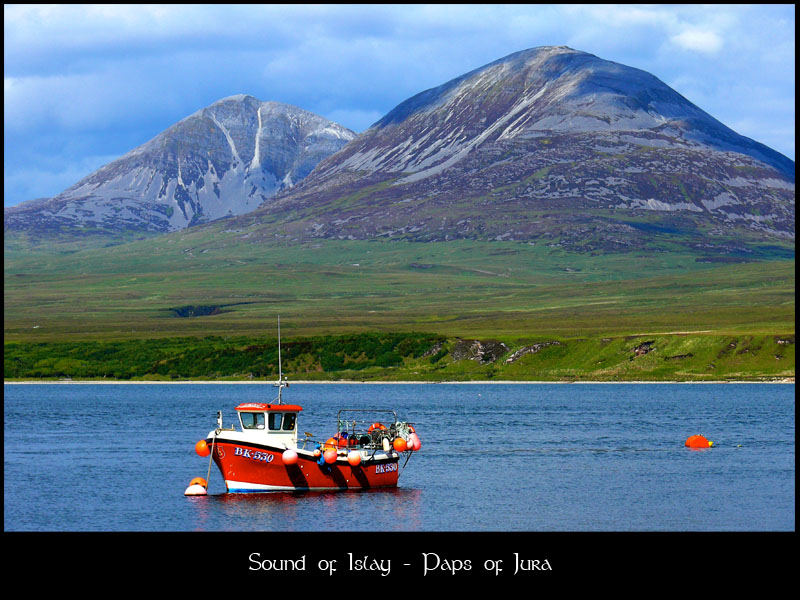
(197, 487)
(202, 448)
(698, 441)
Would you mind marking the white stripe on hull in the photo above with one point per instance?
(246, 486)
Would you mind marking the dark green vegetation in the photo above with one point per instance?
(213, 357)
(418, 357)
(204, 304)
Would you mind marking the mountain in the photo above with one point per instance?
(548, 144)
(223, 160)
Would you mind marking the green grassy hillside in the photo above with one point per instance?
(199, 285)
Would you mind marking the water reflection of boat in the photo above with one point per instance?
(265, 453)
(325, 510)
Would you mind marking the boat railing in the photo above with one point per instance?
(354, 431)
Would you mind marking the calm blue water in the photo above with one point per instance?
(524, 458)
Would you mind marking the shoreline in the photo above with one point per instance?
(786, 380)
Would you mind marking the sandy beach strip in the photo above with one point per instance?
(357, 382)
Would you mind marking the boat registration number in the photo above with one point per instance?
(253, 454)
(386, 468)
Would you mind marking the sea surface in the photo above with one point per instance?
(494, 458)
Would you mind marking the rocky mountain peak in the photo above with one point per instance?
(549, 144)
(533, 93)
(224, 159)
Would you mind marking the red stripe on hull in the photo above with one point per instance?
(242, 463)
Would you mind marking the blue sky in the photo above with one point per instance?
(83, 85)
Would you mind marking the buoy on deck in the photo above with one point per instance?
(289, 457)
(197, 487)
(698, 441)
(202, 448)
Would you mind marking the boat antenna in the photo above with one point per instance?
(281, 383)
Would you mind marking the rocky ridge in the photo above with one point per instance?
(225, 159)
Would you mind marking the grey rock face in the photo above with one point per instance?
(223, 160)
(482, 351)
(548, 144)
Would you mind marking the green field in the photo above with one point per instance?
(214, 283)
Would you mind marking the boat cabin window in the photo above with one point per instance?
(282, 421)
(252, 420)
(275, 420)
(288, 421)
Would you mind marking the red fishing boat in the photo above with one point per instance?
(264, 453)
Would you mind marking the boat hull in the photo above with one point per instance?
(248, 467)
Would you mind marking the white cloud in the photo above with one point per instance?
(697, 40)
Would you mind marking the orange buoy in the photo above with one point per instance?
(289, 457)
(698, 441)
(329, 444)
(317, 452)
(202, 448)
(354, 458)
(197, 487)
(399, 444)
(330, 456)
